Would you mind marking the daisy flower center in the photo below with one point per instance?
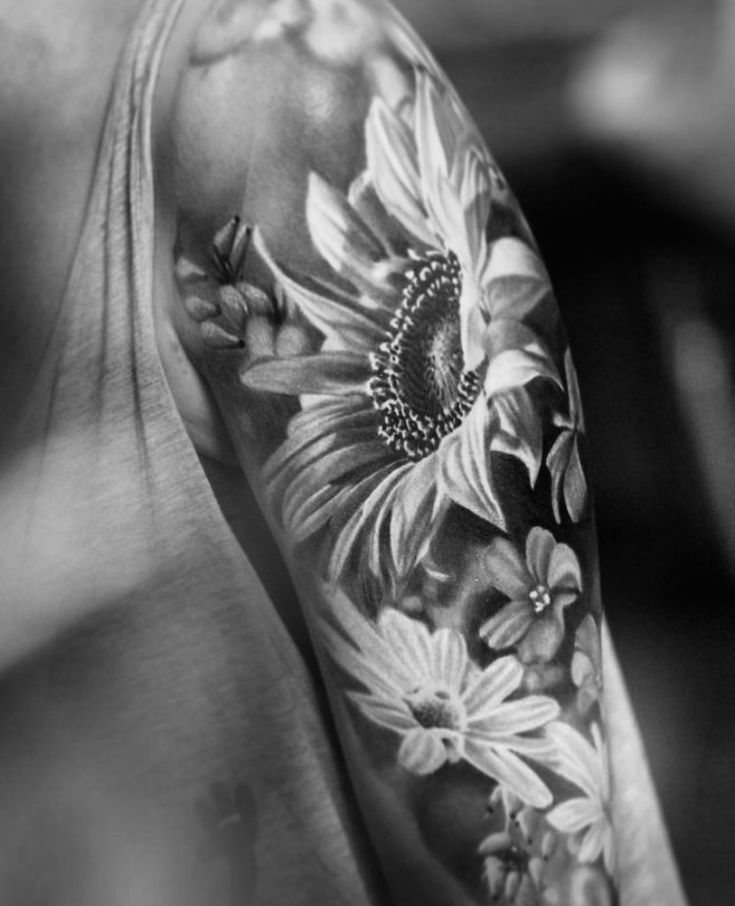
(420, 384)
(435, 709)
(540, 598)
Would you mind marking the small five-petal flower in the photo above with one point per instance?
(540, 587)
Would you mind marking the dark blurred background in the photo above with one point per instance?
(615, 122)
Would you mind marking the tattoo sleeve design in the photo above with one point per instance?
(422, 465)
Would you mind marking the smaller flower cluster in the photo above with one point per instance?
(540, 587)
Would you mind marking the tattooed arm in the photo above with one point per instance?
(352, 279)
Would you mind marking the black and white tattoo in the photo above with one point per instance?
(427, 472)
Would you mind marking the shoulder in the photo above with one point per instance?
(313, 149)
(260, 93)
(269, 106)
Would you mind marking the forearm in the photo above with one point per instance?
(372, 316)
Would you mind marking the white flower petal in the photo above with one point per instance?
(342, 238)
(373, 507)
(577, 760)
(608, 850)
(564, 569)
(492, 686)
(593, 842)
(466, 471)
(573, 816)
(529, 713)
(393, 714)
(509, 771)
(392, 162)
(360, 650)
(512, 257)
(474, 189)
(409, 641)
(516, 355)
(422, 752)
(520, 431)
(337, 465)
(516, 296)
(345, 319)
(450, 658)
(536, 748)
(436, 135)
(557, 461)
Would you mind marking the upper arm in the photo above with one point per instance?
(358, 287)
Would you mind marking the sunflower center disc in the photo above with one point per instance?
(420, 384)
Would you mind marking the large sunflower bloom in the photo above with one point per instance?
(425, 343)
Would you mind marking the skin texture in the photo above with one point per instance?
(347, 287)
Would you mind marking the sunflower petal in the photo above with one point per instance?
(299, 469)
(515, 296)
(512, 257)
(322, 374)
(517, 355)
(466, 469)
(322, 424)
(363, 515)
(557, 461)
(393, 715)
(310, 513)
(413, 512)
(343, 239)
(323, 472)
(337, 314)
(475, 195)
(391, 158)
(592, 843)
(436, 131)
(520, 432)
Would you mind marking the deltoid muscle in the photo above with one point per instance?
(422, 463)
